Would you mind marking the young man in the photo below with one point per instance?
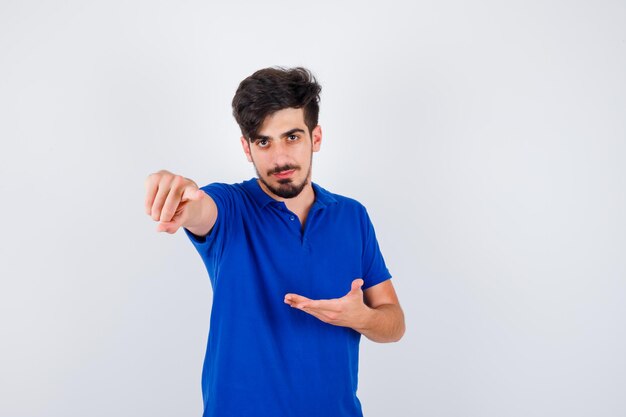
(296, 271)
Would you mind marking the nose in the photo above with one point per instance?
(280, 153)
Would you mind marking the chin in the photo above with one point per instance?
(286, 188)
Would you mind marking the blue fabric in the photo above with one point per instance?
(265, 358)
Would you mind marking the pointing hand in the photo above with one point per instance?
(172, 200)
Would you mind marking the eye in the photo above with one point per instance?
(262, 143)
(293, 137)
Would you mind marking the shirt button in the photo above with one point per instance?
(292, 218)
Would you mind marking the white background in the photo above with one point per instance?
(487, 140)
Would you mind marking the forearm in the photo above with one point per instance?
(383, 324)
(203, 217)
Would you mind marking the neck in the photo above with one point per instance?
(299, 204)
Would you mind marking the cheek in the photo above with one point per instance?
(304, 152)
(262, 163)
(306, 157)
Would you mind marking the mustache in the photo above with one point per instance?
(283, 168)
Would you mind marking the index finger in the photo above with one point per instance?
(181, 192)
(295, 298)
(322, 305)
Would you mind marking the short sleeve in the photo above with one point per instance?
(212, 244)
(373, 264)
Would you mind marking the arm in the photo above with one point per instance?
(375, 313)
(206, 217)
(176, 201)
(384, 320)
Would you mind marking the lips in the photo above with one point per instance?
(284, 174)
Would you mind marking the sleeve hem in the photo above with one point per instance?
(372, 282)
(195, 238)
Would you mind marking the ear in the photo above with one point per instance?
(316, 138)
(246, 148)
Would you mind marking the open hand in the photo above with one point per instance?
(347, 311)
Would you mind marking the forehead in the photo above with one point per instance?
(282, 121)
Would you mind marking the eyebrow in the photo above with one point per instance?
(287, 133)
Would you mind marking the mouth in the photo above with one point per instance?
(284, 174)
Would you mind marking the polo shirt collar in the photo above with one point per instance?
(253, 187)
(322, 197)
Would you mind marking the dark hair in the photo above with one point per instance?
(271, 89)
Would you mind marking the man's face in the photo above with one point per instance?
(282, 153)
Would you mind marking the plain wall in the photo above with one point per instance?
(487, 140)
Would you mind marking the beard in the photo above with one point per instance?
(286, 188)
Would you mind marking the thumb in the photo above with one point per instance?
(356, 285)
(194, 194)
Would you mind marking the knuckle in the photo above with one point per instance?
(155, 176)
(151, 179)
(178, 180)
(192, 182)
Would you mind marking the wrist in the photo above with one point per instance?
(197, 222)
(366, 318)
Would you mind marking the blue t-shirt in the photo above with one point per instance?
(265, 358)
